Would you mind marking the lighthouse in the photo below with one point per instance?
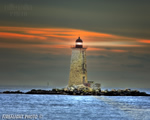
(78, 66)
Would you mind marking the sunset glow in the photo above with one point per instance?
(52, 38)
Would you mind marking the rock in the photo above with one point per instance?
(13, 92)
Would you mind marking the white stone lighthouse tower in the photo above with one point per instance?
(78, 67)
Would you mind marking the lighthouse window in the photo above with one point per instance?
(83, 54)
(84, 66)
(79, 43)
(83, 79)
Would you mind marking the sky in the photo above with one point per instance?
(36, 39)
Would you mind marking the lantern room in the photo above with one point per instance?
(79, 43)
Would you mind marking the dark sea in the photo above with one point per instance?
(66, 107)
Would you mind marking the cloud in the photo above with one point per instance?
(19, 36)
(121, 18)
(106, 50)
(145, 41)
(62, 38)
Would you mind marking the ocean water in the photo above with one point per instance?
(66, 107)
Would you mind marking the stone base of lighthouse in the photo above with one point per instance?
(78, 67)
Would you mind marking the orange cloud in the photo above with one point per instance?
(107, 50)
(118, 51)
(145, 41)
(61, 38)
(19, 36)
(9, 45)
(65, 33)
(96, 49)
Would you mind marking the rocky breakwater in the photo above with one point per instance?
(13, 92)
(125, 92)
(82, 90)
